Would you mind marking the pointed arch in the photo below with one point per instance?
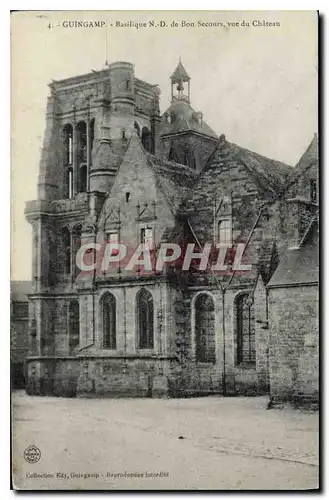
(81, 142)
(205, 328)
(245, 330)
(145, 319)
(108, 308)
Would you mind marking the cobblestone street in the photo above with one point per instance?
(202, 443)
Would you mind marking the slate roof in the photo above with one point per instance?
(174, 179)
(271, 172)
(184, 120)
(309, 158)
(299, 265)
(19, 290)
(180, 73)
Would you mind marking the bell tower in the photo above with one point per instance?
(185, 136)
(178, 78)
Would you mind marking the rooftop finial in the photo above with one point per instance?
(106, 61)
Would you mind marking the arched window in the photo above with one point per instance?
(66, 244)
(73, 324)
(137, 128)
(245, 330)
(145, 320)
(147, 139)
(68, 183)
(109, 321)
(92, 133)
(68, 144)
(205, 329)
(82, 142)
(83, 178)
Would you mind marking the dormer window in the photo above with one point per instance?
(113, 237)
(146, 237)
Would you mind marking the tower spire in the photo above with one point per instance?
(178, 78)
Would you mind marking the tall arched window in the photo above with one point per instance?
(245, 330)
(66, 245)
(73, 324)
(145, 320)
(205, 329)
(147, 139)
(82, 142)
(68, 183)
(109, 321)
(83, 178)
(92, 133)
(68, 144)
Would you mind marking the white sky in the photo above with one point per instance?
(258, 86)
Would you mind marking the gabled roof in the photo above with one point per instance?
(309, 158)
(180, 74)
(19, 290)
(272, 173)
(184, 119)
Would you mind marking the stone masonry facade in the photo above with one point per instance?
(113, 169)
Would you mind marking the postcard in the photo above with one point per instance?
(165, 241)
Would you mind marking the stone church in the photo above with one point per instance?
(114, 169)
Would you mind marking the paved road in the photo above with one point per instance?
(203, 443)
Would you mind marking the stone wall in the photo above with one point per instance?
(201, 146)
(294, 343)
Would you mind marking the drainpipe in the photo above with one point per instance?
(93, 295)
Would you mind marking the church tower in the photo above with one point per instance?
(185, 136)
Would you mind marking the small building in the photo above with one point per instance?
(19, 327)
(293, 292)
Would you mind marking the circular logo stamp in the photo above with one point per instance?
(32, 454)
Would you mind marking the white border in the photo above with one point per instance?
(5, 150)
